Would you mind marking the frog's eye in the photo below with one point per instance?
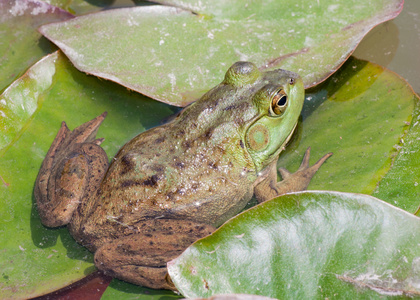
(278, 103)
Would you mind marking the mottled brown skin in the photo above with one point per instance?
(175, 183)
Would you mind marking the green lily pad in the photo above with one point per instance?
(400, 186)
(174, 55)
(123, 290)
(311, 245)
(53, 257)
(362, 115)
(84, 98)
(19, 102)
(18, 23)
(34, 259)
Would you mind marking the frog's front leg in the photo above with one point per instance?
(269, 188)
(141, 257)
(71, 171)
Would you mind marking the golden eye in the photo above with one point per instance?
(279, 102)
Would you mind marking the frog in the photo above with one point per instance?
(178, 182)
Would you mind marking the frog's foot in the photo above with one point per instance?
(292, 182)
(71, 171)
(141, 258)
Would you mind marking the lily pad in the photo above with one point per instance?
(37, 260)
(66, 94)
(362, 115)
(20, 100)
(311, 245)
(123, 290)
(18, 23)
(401, 185)
(174, 55)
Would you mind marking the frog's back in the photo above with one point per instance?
(166, 172)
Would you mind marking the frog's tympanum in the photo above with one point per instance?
(175, 183)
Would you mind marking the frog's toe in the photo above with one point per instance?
(299, 181)
(292, 182)
(311, 170)
(87, 131)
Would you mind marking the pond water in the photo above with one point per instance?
(396, 44)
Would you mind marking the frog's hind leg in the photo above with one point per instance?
(71, 171)
(141, 257)
(269, 188)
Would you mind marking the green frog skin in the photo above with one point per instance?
(175, 183)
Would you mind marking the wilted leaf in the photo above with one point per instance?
(174, 55)
(311, 245)
(35, 260)
(21, 44)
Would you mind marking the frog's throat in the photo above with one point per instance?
(263, 173)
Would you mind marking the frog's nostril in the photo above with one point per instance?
(291, 81)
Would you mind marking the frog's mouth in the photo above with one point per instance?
(283, 146)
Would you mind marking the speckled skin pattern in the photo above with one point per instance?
(174, 183)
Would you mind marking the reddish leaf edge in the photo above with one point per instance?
(385, 19)
(90, 287)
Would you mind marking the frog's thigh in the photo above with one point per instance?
(72, 181)
(141, 258)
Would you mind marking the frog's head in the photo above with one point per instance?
(262, 107)
(276, 99)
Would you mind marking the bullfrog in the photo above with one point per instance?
(175, 183)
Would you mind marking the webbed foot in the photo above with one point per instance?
(292, 182)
